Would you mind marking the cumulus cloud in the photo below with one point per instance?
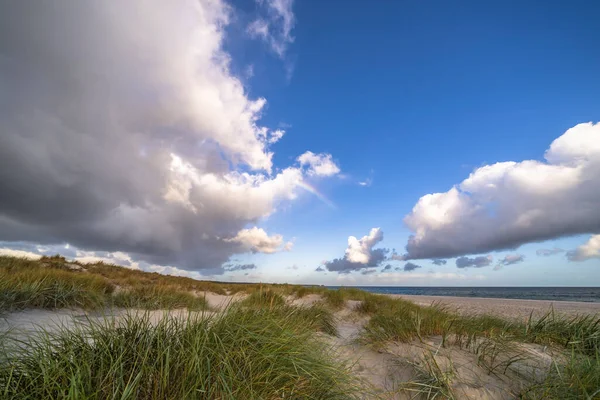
(549, 252)
(360, 254)
(359, 250)
(587, 251)
(19, 253)
(319, 164)
(410, 266)
(437, 261)
(127, 142)
(320, 269)
(507, 204)
(275, 26)
(475, 262)
(256, 240)
(387, 268)
(511, 259)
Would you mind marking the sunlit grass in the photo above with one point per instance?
(25, 284)
(244, 353)
(157, 297)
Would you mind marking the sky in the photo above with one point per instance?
(404, 143)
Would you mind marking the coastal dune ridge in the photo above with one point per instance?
(100, 330)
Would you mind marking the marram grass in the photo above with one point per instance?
(244, 353)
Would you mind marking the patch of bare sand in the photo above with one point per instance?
(507, 308)
(305, 301)
(469, 373)
(219, 302)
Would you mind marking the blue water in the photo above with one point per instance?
(586, 294)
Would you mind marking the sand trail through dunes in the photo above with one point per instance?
(420, 369)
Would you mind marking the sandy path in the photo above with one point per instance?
(508, 308)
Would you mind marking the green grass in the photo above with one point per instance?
(156, 298)
(245, 353)
(577, 378)
(432, 381)
(264, 298)
(334, 298)
(47, 370)
(50, 283)
(25, 284)
(316, 317)
(493, 340)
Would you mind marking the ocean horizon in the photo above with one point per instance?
(562, 293)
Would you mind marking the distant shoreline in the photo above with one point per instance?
(541, 293)
(509, 308)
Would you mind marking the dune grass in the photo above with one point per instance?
(316, 317)
(493, 340)
(156, 298)
(25, 284)
(262, 327)
(264, 298)
(432, 381)
(244, 353)
(51, 282)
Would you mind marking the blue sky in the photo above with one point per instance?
(394, 101)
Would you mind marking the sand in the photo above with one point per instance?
(507, 308)
(383, 373)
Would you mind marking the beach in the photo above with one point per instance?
(506, 308)
(373, 346)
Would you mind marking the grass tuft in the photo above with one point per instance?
(433, 381)
(245, 353)
(264, 298)
(40, 287)
(155, 298)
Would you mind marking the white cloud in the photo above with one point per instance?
(319, 164)
(360, 254)
(276, 135)
(19, 253)
(511, 259)
(117, 258)
(144, 144)
(275, 28)
(587, 251)
(257, 240)
(359, 250)
(504, 205)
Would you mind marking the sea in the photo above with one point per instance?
(585, 294)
